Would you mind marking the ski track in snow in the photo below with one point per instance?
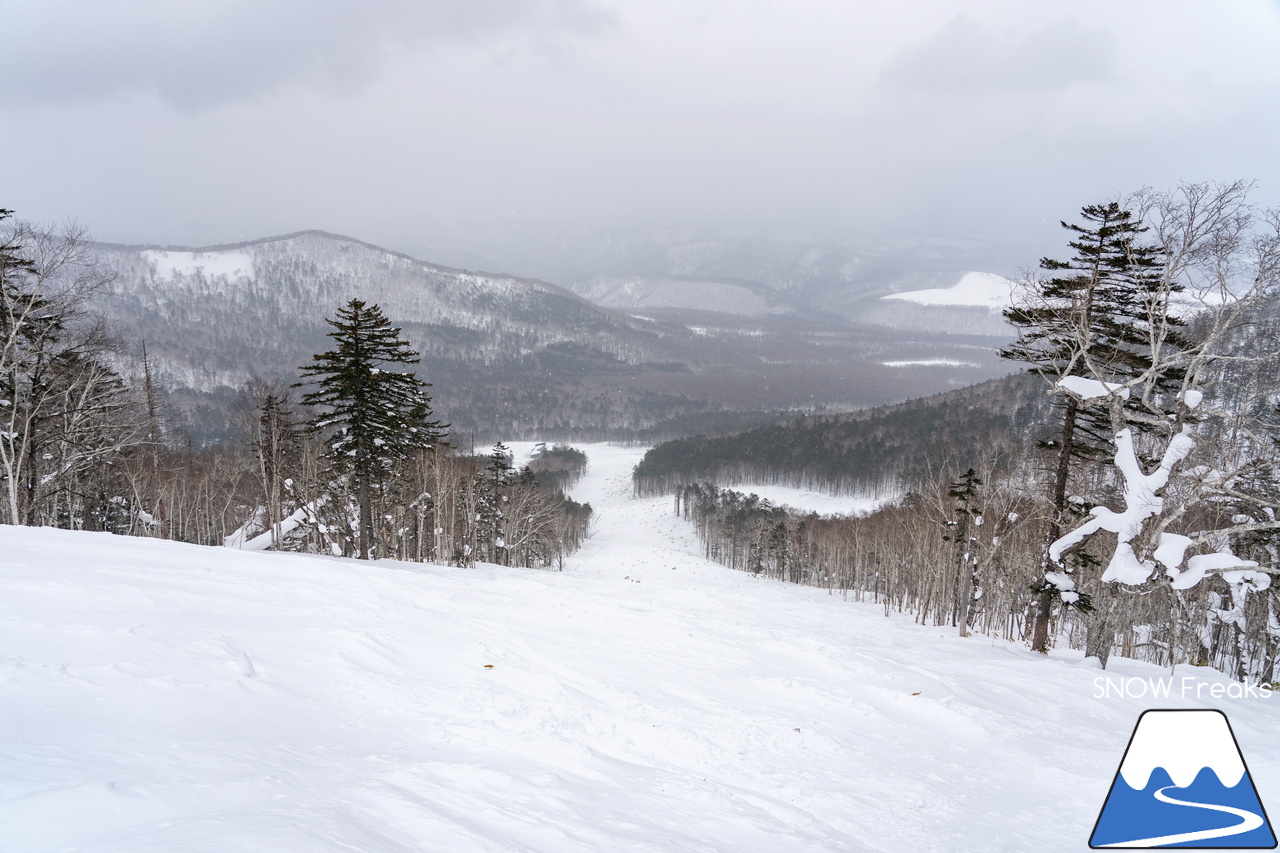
(159, 697)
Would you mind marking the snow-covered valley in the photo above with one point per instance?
(156, 696)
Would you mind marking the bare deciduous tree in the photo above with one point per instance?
(62, 407)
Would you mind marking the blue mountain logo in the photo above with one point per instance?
(1183, 783)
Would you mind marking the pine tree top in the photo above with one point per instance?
(376, 415)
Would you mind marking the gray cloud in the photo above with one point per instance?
(196, 54)
(419, 123)
(965, 56)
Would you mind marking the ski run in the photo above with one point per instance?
(157, 696)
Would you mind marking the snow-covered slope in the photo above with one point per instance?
(979, 289)
(211, 317)
(230, 264)
(972, 306)
(301, 278)
(159, 697)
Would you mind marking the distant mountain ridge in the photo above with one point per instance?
(506, 353)
(182, 297)
(754, 272)
(324, 235)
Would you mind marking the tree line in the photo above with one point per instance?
(1139, 516)
(350, 460)
(969, 562)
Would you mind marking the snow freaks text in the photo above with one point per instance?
(1186, 687)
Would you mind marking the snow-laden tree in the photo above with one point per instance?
(265, 415)
(1190, 422)
(372, 417)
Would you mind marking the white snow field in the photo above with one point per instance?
(812, 500)
(165, 697)
(232, 264)
(929, 362)
(974, 288)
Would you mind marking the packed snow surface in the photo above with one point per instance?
(982, 289)
(156, 696)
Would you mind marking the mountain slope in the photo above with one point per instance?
(158, 697)
(272, 292)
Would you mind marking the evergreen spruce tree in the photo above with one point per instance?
(492, 499)
(373, 417)
(968, 514)
(1092, 318)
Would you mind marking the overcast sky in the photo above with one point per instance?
(409, 122)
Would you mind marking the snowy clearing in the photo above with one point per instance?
(233, 264)
(927, 362)
(810, 500)
(159, 697)
(982, 289)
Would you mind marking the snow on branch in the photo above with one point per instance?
(1141, 503)
(276, 533)
(1092, 389)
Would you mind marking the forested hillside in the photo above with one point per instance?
(875, 451)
